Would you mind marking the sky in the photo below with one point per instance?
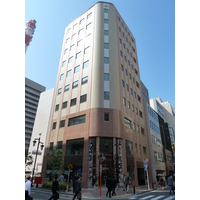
(152, 23)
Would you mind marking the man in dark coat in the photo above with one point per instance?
(77, 188)
(113, 184)
(109, 186)
(54, 187)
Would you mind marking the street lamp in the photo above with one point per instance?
(42, 146)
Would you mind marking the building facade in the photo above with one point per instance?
(40, 130)
(155, 142)
(97, 104)
(32, 96)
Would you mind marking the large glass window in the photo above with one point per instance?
(74, 147)
(130, 160)
(127, 122)
(76, 120)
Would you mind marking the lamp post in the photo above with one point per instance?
(42, 145)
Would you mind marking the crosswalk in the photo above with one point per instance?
(155, 197)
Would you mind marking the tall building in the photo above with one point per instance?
(32, 96)
(97, 104)
(40, 130)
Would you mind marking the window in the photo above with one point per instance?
(105, 32)
(137, 84)
(133, 51)
(136, 149)
(144, 150)
(124, 101)
(125, 29)
(69, 72)
(127, 50)
(75, 84)
(122, 67)
(64, 105)
(82, 20)
(120, 41)
(57, 107)
(65, 52)
(136, 110)
(135, 94)
(139, 98)
(80, 42)
(89, 26)
(122, 83)
(140, 149)
(130, 76)
(70, 59)
(118, 19)
(105, 10)
(127, 122)
(119, 29)
(54, 126)
(72, 47)
(142, 131)
(106, 46)
(131, 55)
(78, 55)
(67, 40)
(64, 63)
(131, 91)
(140, 113)
(83, 98)
(61, 76)
(127, 87)
(51, 146)
(73, 36)
(106, 95)
(81, 31)
(126, 72)
(89, 15)
(133, 80)
(122, 24)
(84, 80)
(128, 104)
(85, 64)
(122, 34)
(62, 123)
(134, 61)
(77, 68)
(74, 147)
(86, 50)
(106, 77)
(136, 72)
(128, 63)
(126, 39)
(66, 87)
(59, 90)
(106, 117)
(134, 126)
(125, 58)
(76, 120)
(132, 107)
(124, 46)
(73, 102)
(106, 60)
(105, 21)
(121, 53)
(59, 145)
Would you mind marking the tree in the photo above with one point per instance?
(56, 161)
(28, 159)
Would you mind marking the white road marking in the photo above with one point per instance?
(147, 197)
(159, 197)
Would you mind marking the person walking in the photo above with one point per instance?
(162, 183)
(55, 188)
(113, 185)
(28, 188)
(77, 188)
(61, 179)
(124, 183)
(127, 183)
(109, 186)
(170, 183)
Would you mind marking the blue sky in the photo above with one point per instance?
(151, 22)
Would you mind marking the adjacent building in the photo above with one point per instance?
(40, 130)
(155, 142)
(32, 96)
(97, 103)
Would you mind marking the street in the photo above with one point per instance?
(41, 194)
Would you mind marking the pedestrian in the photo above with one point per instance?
(124, 183)
(127, 183)
(28, 188)
(77, 188)
(161, 183)
(61, 179)
(55, 188)
(109, 186)
(171, 184)
(113, 185)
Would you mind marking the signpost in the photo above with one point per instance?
(146, 169)
(70, 166)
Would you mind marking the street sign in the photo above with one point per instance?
(145, 169)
